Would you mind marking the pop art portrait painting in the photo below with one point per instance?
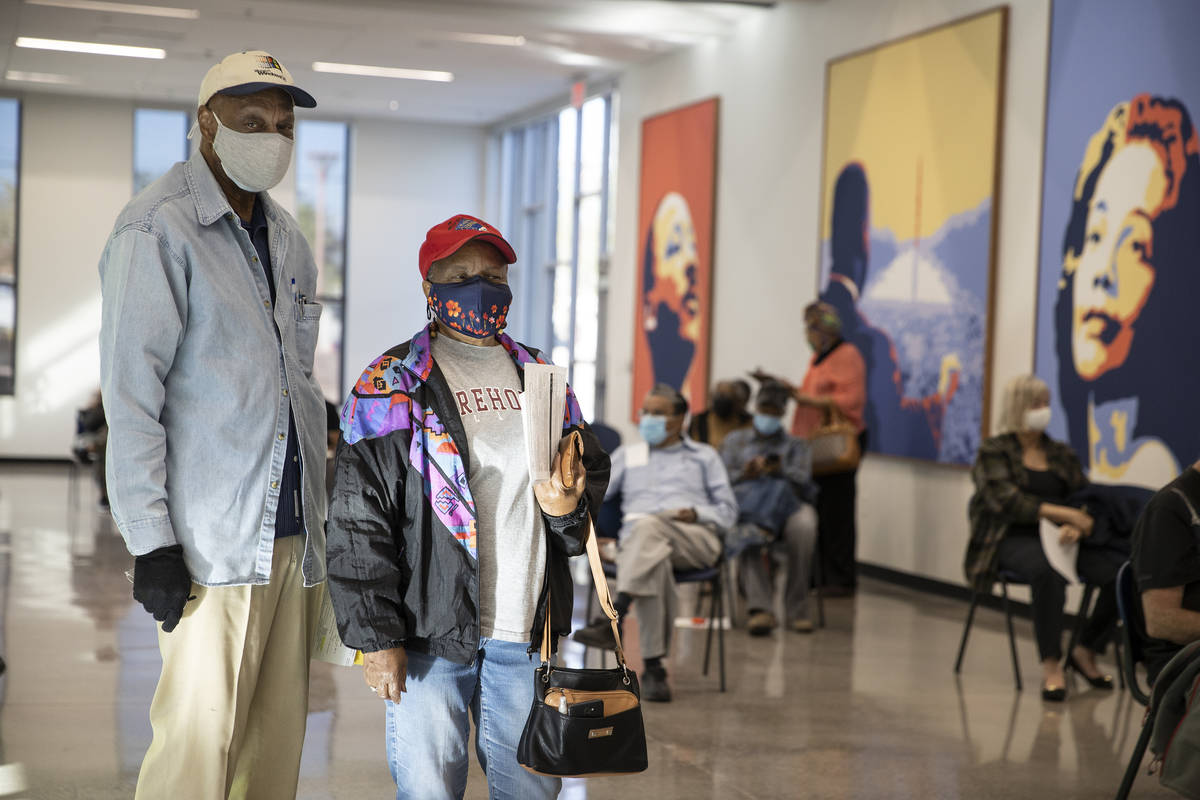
(1120, 251)
(675, 229)
(908, 229)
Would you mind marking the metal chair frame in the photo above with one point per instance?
(1005, 579)
(715, 577)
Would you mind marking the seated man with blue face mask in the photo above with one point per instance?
(758, 459)
(676, 502)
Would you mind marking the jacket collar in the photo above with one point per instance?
(211, 202)
(419, 360)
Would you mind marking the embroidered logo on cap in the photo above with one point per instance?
(269, 67)
(469, 225)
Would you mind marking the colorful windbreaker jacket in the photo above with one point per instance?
(401, 552)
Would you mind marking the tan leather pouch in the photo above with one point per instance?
(614, 701)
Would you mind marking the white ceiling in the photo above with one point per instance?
(566, 40)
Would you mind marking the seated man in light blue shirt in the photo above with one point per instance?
(676, 503)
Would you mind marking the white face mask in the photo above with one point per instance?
(254, 161)
(1037, 419)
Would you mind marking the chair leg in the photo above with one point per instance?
(1012, 637)
(719, 602)
(708, 638)
(1135, 760)
(1119, 655)
(1085, 607)
(962, 646)
(818, 579)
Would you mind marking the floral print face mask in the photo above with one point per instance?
(477, 307)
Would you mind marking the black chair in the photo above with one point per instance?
(714, 577)
(1006, 579)
(1133, 632)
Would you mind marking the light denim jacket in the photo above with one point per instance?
(197, 371)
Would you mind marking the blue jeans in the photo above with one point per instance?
(428, 730)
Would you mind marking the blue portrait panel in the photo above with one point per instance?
(1120, 237)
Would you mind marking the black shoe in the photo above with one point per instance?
(1054, 694)
(598, 634)
(654, 686)
(1101, 682)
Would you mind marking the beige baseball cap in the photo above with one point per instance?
(248, 72)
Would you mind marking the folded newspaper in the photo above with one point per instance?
(327, 644)
(543, 407)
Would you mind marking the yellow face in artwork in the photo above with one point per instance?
(1115, 272)
(675, 264)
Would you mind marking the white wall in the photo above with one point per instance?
(770, 77)
(405, 179)
(77, 174)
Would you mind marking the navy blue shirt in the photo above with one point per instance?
(289, 520)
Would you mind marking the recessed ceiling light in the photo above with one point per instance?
(119, 8)
(383, 72)
(394, 105)
(94, 48)
(497, 39)
(40, 77)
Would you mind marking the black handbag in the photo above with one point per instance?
(585, 722)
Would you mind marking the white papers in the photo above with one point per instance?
(637, 455)
(327, 644)
(543, 407)
(1061, 556)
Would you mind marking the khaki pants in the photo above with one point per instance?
(232, 701)
(648, 553)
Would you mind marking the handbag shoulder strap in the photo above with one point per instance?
(601, 582)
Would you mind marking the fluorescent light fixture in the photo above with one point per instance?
(40, 77)
(383, 72)
(94, 48)
(571, 58)
(119, 8)
(500, 40)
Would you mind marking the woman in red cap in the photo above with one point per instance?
(441, 552)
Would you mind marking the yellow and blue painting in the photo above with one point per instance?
(907, 229)
(1119, 266)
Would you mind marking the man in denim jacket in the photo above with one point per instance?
(216, 442)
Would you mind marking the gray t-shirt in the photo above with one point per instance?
(510, 538)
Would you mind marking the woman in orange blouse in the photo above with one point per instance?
(836, 378)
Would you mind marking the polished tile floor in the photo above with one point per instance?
(867, 708)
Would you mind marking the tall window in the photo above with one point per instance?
(586, 147)
(322, 152)
(159, 140)
(10, 133)
(528, 170)
(555, 194)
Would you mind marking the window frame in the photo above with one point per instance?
(189, 118)
(324, 298)
(19, 123)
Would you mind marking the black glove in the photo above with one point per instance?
(161, 583)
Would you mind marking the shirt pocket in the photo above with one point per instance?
(308, 323)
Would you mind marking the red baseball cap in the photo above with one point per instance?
(445, 238)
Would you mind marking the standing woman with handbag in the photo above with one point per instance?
(834, 390)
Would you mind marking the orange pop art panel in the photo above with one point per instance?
(675, 225)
